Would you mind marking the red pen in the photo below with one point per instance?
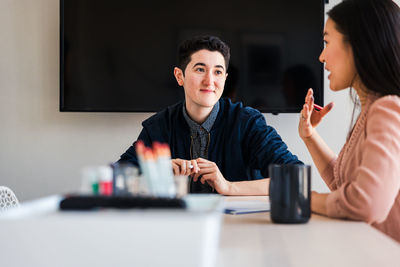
(317, 107)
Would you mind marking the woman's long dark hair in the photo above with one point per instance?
(372, 28)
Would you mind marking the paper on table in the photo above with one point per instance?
(244, 207)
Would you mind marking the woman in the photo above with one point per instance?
(362, 52)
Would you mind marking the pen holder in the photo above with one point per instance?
(126, 179)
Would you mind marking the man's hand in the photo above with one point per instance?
(184, 167)
(210, 173)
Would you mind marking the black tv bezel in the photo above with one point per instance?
(274, 111)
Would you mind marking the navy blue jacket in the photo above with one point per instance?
(241, 143)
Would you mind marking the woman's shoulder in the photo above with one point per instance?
(388, 101)
(385, 109)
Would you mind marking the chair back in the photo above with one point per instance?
(7, 199)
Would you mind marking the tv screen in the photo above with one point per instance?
(119, 55)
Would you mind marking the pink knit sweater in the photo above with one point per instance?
(365, 177)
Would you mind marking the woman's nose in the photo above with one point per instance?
(322, 56)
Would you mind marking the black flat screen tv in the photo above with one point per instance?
(119, 55)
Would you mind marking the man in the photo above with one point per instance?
(223, 146)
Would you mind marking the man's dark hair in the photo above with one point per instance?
(211, 43)
(372, 28)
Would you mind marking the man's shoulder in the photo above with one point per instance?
(236, 115)
(164, 116)
(239, 109)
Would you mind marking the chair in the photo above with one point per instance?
(8, 199)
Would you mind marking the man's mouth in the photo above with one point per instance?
(207, 90)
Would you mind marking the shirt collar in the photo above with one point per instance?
(207, 124)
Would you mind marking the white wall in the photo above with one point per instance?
(43, 150)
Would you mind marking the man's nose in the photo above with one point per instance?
(208, 78)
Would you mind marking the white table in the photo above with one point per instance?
(38, 234)
(253, 240)
(46, 237)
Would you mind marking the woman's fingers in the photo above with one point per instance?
(305, 114)
(310, 101)
(326, 109)
(309, 93)
(308, 105)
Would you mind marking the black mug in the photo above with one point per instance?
(290, 193)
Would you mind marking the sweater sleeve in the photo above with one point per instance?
(263, 144)
(130, 154)
(370, 196)
(328, 176)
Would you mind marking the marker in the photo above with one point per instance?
(317, 107)
(144, 166)
(150, 165)
(164, 167)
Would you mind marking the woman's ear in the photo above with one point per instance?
(178, 73)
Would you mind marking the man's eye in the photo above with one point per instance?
(200, 69)
(218, 72)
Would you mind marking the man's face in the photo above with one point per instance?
(203, 80)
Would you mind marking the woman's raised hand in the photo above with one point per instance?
(309, 117)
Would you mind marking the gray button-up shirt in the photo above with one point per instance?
(200, 134)
(200, 140)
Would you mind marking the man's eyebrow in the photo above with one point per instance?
(199, 64)
(204, 65)
(220, 66)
